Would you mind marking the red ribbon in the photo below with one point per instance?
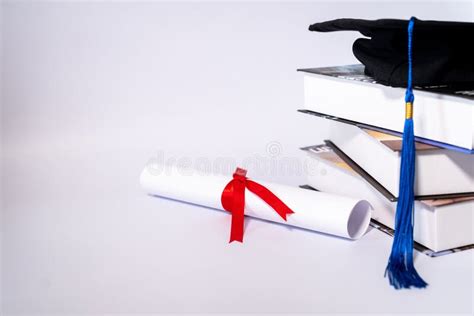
(233, 201)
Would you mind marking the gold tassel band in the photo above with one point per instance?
(409, 110)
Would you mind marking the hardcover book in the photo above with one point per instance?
(441, 115)
(379, 154)
(440, 224)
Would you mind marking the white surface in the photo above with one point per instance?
(317, 211)
(91, 91)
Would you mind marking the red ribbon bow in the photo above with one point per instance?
(233, 201)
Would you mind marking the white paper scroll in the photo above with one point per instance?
(322, 212)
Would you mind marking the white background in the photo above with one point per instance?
(91, 91)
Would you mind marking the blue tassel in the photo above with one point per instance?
(400, 269)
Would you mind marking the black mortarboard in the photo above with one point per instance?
(443, 53)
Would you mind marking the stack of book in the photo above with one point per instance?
(361, 156)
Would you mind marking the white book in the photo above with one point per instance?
(345, 92)
(439, 224)
(437, 171)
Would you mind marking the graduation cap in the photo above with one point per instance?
(441, 50)
(405, 53)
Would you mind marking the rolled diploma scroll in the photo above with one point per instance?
(321, 212)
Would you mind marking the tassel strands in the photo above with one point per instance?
(400, 269)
